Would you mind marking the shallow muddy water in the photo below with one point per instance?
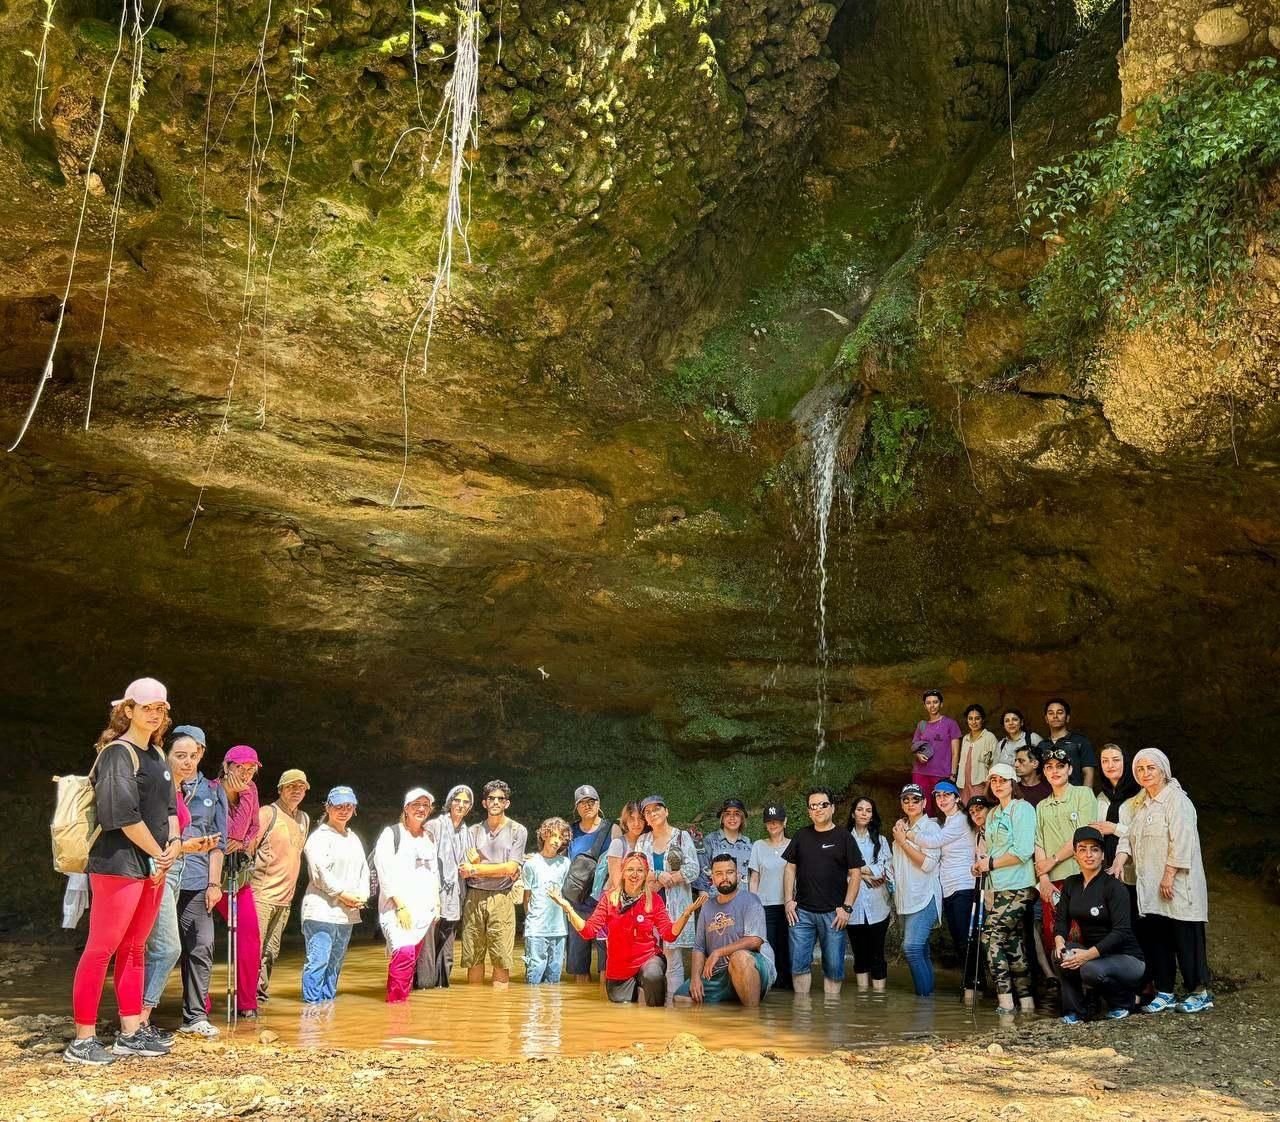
(563, 1019)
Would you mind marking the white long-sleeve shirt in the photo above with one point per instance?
(336, 864)
(956, 842)
(914, 887)
(409, 873)
(871, 905)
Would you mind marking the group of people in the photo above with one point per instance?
(1009, 844)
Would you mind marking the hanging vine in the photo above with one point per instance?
(41, 60)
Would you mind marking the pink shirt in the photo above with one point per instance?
(242, 819)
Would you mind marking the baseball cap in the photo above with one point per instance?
(144, 691)
(651, 800)
(1086, 834)
(945, 787)
(1004, 771)
(979, 800)
(341, 796)
(242, 754)
(775, 813)
(418, 793)
(195, 732)
(586, 791)
(293, 775)
(911, 789)
(733, 804)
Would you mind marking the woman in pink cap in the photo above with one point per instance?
(239, 766)
(137, 844)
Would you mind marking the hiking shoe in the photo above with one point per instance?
(88, 1051)
(1072, 1019)
(1196, 1002)
(1159, 1003)
(200, 1028)
(1117, 1014)
(138, 1044)
(163, 1037)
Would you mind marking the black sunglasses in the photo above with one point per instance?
(818, 806)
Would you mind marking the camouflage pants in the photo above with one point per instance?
(1006, 952)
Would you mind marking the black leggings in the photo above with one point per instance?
(651, 978)
(867, 942)
(775, 929)
(957, 909)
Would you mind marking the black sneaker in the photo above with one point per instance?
(163, 1037)
(138, 1044)
(88, 1051)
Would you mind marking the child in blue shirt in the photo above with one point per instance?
(544, 923)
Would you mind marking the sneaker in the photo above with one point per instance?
(1196, 1002)
(247, 1015)
(88, 1051)
(199, 1028)
(163, 1037)
(1072, 1019)
(1117, 1014)
(1159, 1003)
(138, 1044)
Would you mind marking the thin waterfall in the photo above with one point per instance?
(824, 436)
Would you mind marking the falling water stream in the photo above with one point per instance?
(824, 435)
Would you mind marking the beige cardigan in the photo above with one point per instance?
(1162, 831)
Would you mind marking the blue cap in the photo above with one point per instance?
(651, 800)
(341, 796)
(194, 731)
(945, 787)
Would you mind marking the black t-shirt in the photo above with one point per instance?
(124, 799)
(1078, 749)
(1101, 910)
(822, 862)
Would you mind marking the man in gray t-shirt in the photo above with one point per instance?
(493, 865)
(732, 958)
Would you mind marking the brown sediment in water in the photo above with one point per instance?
(1219, 1065)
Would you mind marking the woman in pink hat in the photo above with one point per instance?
(239, 766)
(139, 840)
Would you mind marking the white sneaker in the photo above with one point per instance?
(199, 1028)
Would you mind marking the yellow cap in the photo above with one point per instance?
(293, 775)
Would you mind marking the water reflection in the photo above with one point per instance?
(543, 1020)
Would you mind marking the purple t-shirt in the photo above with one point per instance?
(940, 734)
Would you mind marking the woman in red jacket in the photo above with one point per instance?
(635, 924)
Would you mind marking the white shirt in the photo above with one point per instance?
(872, 904)
(957, 843)
(767, 861)
(336, 864)
(1162, 831)
(914, 887)
(409, 873)
(1008, 749)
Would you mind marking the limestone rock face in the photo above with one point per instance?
(1222, 27)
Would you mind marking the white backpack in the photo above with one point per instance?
(75, 816)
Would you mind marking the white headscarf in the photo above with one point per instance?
(1156, 757)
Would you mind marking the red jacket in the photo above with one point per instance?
(631, 936)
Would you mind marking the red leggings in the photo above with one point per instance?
(122, 912)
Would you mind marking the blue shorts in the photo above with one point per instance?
(819, 928)
(720, 987)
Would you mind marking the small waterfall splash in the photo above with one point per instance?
(824, 436)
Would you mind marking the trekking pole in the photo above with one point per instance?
(973, 947)
(233, 923)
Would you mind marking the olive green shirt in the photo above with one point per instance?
(1057, 820)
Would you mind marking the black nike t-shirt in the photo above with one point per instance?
(822, 860)
(123, 799)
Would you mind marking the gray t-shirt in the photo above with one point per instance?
(721, 924)
(508, 844)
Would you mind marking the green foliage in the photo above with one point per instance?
(944, 308)
(1157, 220)
(887, 331)
(887, 460)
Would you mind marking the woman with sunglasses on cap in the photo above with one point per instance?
(239, 766)
(872, 907)
(139, 841)
(634, 920)
(336, 891)
(1163, 845)
(956, 843)
(408, 891)
(673, 860)
(1010, 836)
(917, 889)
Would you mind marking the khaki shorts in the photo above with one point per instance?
(488, 929)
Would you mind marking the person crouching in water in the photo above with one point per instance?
(545, 931)
(408, 891)
(337, 890)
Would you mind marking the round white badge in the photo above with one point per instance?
(1074, 816)
(1095, 911)
(208, 802)
(168, 777)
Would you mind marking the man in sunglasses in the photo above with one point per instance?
(820, 882)
(1057, 715)
(493, 863)
(1058, 817)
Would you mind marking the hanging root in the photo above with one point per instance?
(41, 60)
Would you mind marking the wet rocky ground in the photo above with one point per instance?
(1220, 1065)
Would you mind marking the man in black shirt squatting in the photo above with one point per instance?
(819, 885)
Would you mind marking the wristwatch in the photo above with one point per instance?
(846, 908)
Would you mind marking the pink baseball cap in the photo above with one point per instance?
(144, 691)
(242, 754)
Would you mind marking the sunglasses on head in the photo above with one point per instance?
(1057, 755)
(912, 799)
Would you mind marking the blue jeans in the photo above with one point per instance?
(578, 950)
(916, 929)
(326, 948)
(164, 947)
(543, 958)
(811, 928)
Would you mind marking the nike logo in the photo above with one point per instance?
(832, 845)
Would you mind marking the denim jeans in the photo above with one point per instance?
(578, 951)
(817, 928)
(326, 948)
(916, 929)
(164, 947)
(543, 958)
